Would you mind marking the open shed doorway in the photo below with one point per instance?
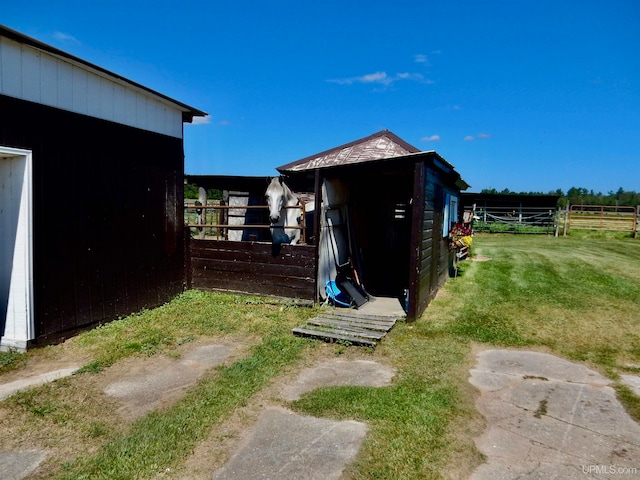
(381, 215)
(16, 250)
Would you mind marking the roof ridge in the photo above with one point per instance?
(382, 133)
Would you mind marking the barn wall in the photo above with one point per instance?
(252, 267)
(108, 217)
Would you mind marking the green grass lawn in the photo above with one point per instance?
(577, 297)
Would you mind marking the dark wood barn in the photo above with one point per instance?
(384, 205)
(91, 187)
(392, 205)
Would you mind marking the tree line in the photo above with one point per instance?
(191, 191)
(581, 196)
(575, 195)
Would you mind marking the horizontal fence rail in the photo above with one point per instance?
(513, 219)
(215, 221)
(603, 217)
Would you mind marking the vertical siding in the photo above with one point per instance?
(428, 252)
(107, 217)
(433, 255)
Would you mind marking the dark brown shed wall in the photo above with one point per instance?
(107, 218)
(433, 257)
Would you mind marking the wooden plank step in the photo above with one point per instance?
(374, 325)
(326, 335)
(361, 332)
(368, 316)
(348, 325)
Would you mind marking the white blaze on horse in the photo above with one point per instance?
(279, 196)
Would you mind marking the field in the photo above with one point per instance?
(577, 297)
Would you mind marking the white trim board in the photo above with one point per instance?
(16, 249)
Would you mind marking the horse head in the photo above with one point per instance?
(276, 199)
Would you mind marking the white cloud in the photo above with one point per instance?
(416, 77)
(432, 138)
(422, 58)
(381, 78)
(377, 77)
(65, 37)
(469, 138)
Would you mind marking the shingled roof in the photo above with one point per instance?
(380, 145)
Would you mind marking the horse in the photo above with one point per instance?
(279, 196)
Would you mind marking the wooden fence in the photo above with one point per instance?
(234, 222)
(600, 218)
(252, 267)
(513, 219)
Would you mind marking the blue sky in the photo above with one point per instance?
(525, 95)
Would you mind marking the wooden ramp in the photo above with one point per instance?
(347, 325)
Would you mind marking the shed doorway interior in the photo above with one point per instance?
(16, 250)
(375, 233)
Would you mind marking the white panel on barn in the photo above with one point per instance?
(107, 101)
(48, 80)
(119, 103)
(65, 86)
(141, 111)
(95, 95)
(130, 105)
(31, 77)
(154, 116)
(11, 63)
(80, 91)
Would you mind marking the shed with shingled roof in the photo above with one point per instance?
(386, 208)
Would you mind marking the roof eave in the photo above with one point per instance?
(188, 112)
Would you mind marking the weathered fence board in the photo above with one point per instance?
(336, 336)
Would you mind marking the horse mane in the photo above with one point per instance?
(288, 193)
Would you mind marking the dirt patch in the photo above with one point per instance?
(44, 363)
